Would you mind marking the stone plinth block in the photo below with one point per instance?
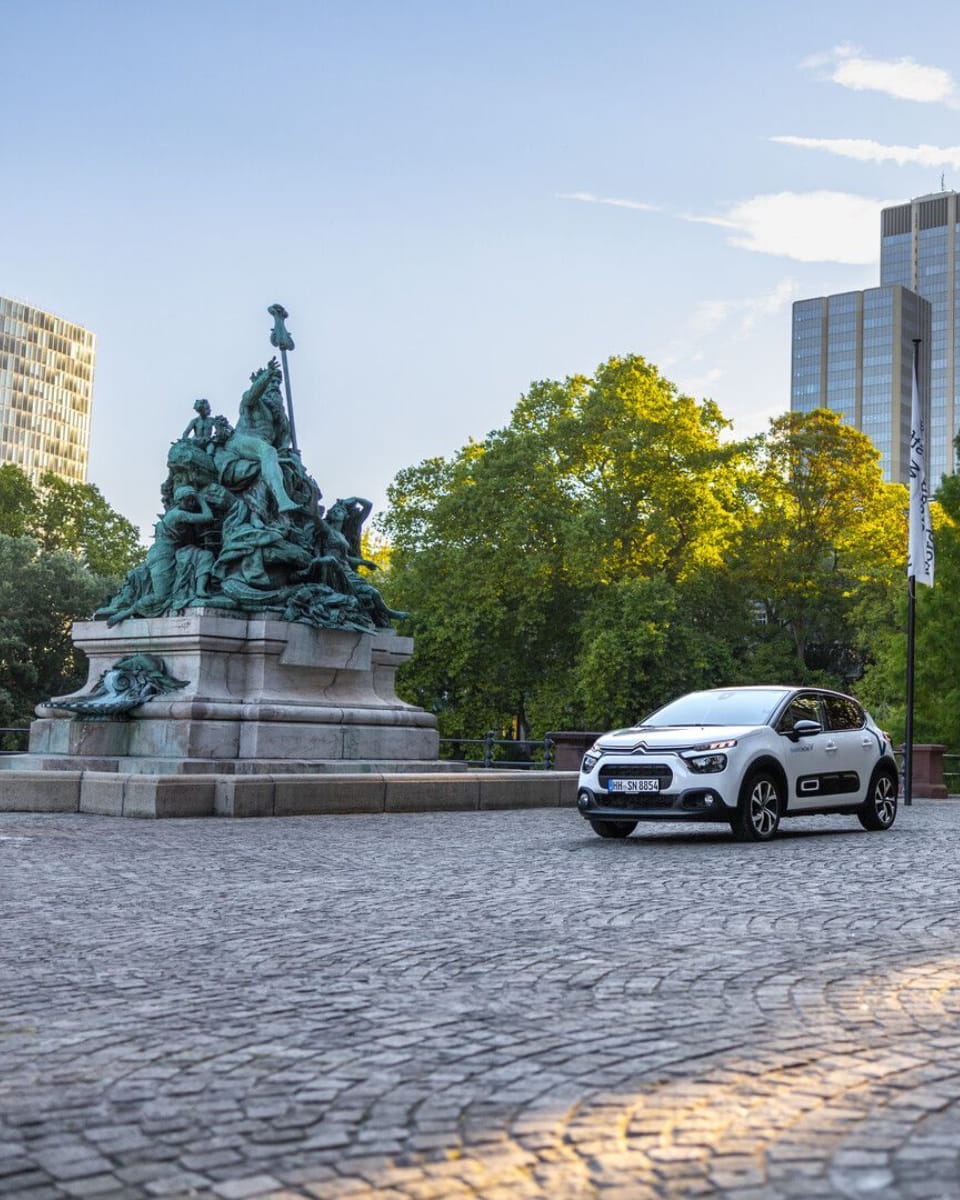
(37, 791)
(308, 795)
(117, 794)
(515, 789)
(569, 747)
(429, 793)
(927, 774)
(257, 693)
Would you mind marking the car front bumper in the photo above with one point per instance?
(695, 803)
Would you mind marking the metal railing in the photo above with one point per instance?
(951, 773)
(14, 739)
(535, 755)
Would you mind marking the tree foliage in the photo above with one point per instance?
(936, 713)
(612, 546)
(575, 535)
(42, 592)
(75, 517)
(62, 551)
(821, 543)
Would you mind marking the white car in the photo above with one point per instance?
(743, 755)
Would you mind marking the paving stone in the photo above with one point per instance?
(478, 1004)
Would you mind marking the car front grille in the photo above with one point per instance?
(658, 771)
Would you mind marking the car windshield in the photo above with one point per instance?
(736, 706)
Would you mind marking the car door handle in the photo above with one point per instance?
(830, 746)
(866, 743)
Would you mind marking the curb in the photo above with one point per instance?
(104, 793)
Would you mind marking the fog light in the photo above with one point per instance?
(584, 799)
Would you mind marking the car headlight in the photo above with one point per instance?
(704, 764)
(592, 757)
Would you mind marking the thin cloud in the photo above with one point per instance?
(902, 78)
(710, 315)
(591, 198)
(817, 226)
(865, 150)
(702, 354)
(697, 385)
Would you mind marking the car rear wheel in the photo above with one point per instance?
(614, 829)
(880, 808)
(758, 813)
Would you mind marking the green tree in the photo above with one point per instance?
(63, 550)
(18, 501)
(76, 517)
(936, 711)
(523, 555)
(820, 547)
(41, 594)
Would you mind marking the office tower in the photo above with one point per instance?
(853, 353)
(46, 386)
(918, 249)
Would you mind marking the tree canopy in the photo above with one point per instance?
(62, 551)
(614, 545)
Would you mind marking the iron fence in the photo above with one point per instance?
(14, 739)
(534, 755)
(951, 773)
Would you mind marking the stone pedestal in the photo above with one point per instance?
(927, 773)
(570, 746)
(262, 696)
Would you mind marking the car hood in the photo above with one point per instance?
(671, 737)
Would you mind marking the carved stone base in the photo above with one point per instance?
(262, 697)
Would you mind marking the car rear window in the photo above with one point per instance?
(843, 713)
(733, 707)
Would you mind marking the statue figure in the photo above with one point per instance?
(202, 426)
(262, 431)
(148, 589)
(243, 528)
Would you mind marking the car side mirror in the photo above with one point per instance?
(804, 729)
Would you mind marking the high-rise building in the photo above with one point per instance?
(853, 354)
(46, 389)
(919, 249)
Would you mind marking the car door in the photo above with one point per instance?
(853, 748)
(809, 760)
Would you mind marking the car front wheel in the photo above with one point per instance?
(758, 813)
(880, 808)
(614, 829)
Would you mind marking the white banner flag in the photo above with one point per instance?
(920, 546)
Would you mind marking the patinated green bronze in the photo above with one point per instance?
(130, 682)
(243, 527)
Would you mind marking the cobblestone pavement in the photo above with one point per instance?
(478, 1004)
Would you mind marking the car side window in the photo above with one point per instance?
(843, 713)
(800, 708)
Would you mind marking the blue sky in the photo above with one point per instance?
(451, 198)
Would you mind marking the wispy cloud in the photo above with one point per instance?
(865, 150)
(807, 226)
(747, 312)
(707, 348)
(902, 78)
(591, 198)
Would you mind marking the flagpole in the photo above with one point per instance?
(908, 734)
(911, 636)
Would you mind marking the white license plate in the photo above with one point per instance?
(633, 785)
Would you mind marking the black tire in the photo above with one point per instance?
(879, 810)
(613, 829)
(758, 813)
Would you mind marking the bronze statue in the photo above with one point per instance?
(243, 528)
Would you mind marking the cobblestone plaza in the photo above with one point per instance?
(493, 1004)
